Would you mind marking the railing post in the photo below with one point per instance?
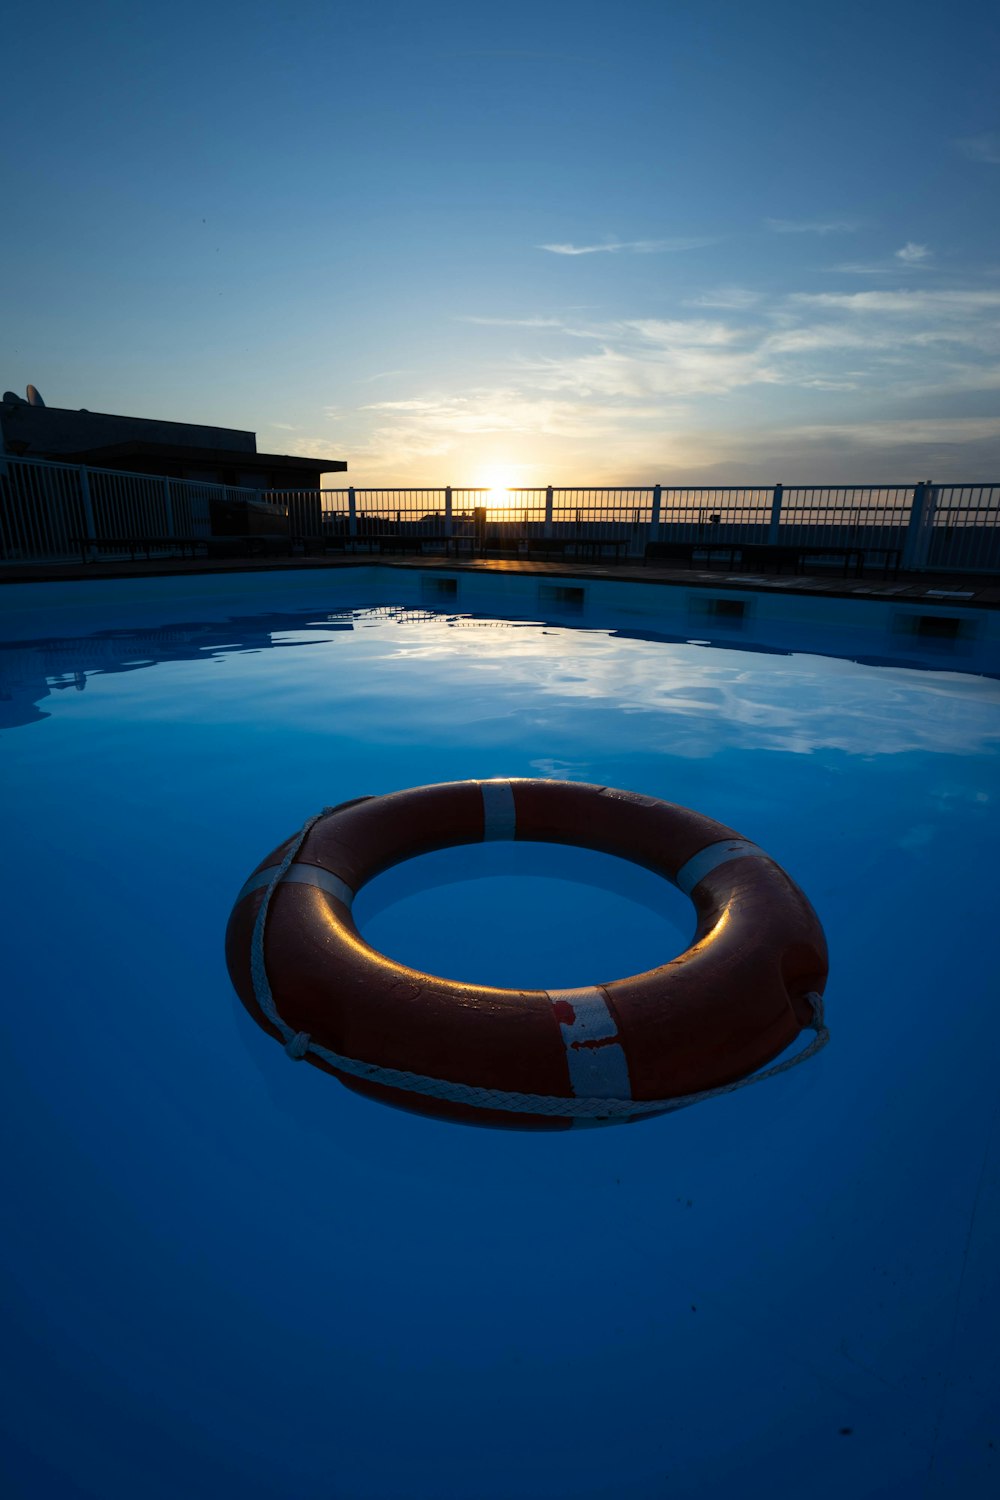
(447, 510)
(548, 511)
(933, 494)
(88, 509)
(352, 512)
(479, 528)
(168, 508)
(775, 522)
(297, 515)
(654, 520)
(918, 528)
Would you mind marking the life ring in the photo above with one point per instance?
(701, 1023)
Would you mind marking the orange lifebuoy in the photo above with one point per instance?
(528, 1059)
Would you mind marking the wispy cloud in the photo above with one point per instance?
(689, 333)
(734, 298)
(444, 427)
(910, 257)
(382, 375)
(310, 446)
(811, 226)
(981, 147)
(639, 371)
(514, 322)
(711, 389)
(824, 341)
(913, 255)
(857, 451)
(504, 409)
(911, 430)
(575, 330)
(860, 268)
(633, 247)
(960, 303)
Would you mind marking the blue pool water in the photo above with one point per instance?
(224, 1274)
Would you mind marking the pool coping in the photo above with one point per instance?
(935, 590)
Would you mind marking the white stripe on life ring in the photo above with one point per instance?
(300, 875)
(709, 859)
(598, 1068)
(499, 812)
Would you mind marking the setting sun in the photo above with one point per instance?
(498, 483)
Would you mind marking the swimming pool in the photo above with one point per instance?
(226, 1274)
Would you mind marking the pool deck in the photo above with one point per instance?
(979, 592)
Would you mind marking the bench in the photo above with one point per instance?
(583, 546)
(249, 546)
(728, 552)
(186, 546)
(779, 555)
(773, 556)
(315, 546)
(854, 559)
(138, 545)
(449, 545)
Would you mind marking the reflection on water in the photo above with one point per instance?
(33, 671)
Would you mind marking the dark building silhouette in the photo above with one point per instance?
(141, 445)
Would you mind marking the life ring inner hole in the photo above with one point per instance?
(524, 915)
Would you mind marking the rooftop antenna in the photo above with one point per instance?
(34, 399)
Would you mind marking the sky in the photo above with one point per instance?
(564, 243)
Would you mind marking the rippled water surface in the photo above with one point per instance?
(224, 1274)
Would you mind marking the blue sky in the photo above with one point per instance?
(565, 243)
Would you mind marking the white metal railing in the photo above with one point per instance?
(52, 511)
(962, 528)
(923, 527)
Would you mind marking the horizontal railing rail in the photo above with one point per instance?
(46, 507)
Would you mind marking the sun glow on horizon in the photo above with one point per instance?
(498, 484)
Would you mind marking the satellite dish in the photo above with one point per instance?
(34, 399)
